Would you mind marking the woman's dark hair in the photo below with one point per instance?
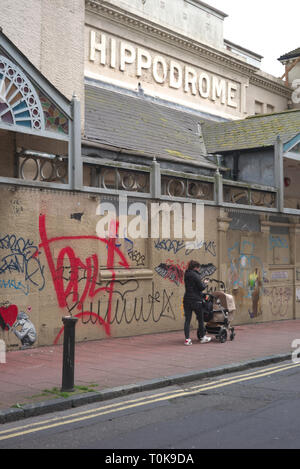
(193, 265)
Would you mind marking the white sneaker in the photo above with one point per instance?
(205, 340)
(188, 342)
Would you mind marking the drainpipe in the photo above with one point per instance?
(75, 158)
(155, 179)
(279, 173)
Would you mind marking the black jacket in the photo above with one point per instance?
(193, 286)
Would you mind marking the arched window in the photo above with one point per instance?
(19, 102)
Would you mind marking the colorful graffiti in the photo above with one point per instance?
(19, 323)
(171, 271)
(174, 272)
(247, 275)
(278, 242)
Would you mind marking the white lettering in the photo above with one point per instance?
(190, 79)
(166, 71)
(166, 210)
(175, 75)
(138, 227)
(106, 227)
(123, 215)
(128, 55)
(143, 61)
(219, 89)
(232, 89)
(116, 459)
(204, 85)
(134, 222)
(160, 63)
(113, 53)
(99, 47)
(191, 234)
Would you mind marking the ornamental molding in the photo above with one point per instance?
(113, 13)
(118, 15)
(269, 84)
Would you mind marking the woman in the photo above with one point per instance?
(192, 301)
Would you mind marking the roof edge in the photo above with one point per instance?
(96, 144)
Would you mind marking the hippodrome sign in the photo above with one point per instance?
(119, 55)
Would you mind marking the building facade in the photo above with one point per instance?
(113, 109)
(291, 62)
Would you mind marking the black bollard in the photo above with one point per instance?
(68, 354)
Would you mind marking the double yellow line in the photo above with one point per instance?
(142, 401)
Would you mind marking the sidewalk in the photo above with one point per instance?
(133, 364)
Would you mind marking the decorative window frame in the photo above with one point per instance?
(27, 75)
(19, 100)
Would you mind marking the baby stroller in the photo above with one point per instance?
(219, 309)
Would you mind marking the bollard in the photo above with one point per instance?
(68, 354)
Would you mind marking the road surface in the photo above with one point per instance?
(253, 409)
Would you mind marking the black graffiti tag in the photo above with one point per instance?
(20, 257)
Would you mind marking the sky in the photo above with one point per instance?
(270, 28)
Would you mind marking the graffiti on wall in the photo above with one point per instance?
(172, 271)
(82, 293)
(215, 285)
(278, 242)
(175, 246)
(24, 330)
(16, 206)
(207, 270)
(18, 258)
(18, 322)
(15, 285)
(247, 275)
(134, 254)
(208, 246)
(71, 292)
(279, 300)
(131, 305)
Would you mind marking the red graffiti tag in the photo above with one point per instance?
(90, 266)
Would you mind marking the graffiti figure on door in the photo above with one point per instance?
(246, 276)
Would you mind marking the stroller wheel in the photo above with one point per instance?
(232, 335)
(222, 336)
